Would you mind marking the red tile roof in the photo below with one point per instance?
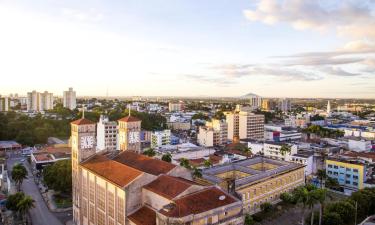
(129, 119)
(42, 157)
(82, 121)
(143, 216)
(214, 159)
(199, 202)
(370, 155)
(111, 170)
(168, 186)
(144, 163)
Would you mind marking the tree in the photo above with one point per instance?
(19, 173)
(58, 176)
(321, 197)
(287, 198)
(321, 174)
(25, 205)
(343, 208)
(149, 152)
(285, 148)
(247, 151)
(219, 115)
(313, 198)
(197, 173)
(167, 157)
(207, 163)
(249, 220)
(185, 163)
(332, 219)
(301, 195)
(266, 207)
(13, 200)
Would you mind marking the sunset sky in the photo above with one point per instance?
(296, 48)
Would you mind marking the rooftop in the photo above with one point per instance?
(143, 216)
(252, 170)
(198, 202)
(82, 121)
(144, 163)
(129, 119)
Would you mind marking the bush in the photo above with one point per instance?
(287, 198)
(266, 207)
(249, 220)
(332, 219)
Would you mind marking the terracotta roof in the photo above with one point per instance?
(214, 159)
(370, 155)
(129, 119)
(168, 186)
(42, 157)
(51, 149)
(199, 202)
(111, 170)
(143, 216)
(144, 163)
(82, 121)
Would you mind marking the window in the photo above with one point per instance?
(336, 167)
(120, 210)
(355, 177)
(329, 166)
(348, 175)
(92, 191)
(101, 197)
(348, 169)
(355, 170)
(355, 183)
(335, 173)
(329, 172)
(101, 220)
(92, 214)
(347, 182)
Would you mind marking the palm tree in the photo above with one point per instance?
(167, 157)
(247, 151)
(197, 173)
(207, 163)
(25, 205)
(301, 195)
(321, 174)
(285, 148)
(19, 173)
(312, 199)
(321, 197)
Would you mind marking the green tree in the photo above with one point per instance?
(266, 207)
(197, 173)
(24, 206)
(19, 173)
(149, 152)
(285, 148)
(167, 157)
(219, 115)
(345, 209)
(207, 163)
(321, 174)
(185, 163)
(58, 176)
(13, 200)
(301, 195)
(332, 219)
(287, 198)
(247, 151)
(313, 198)
(249, 220)
(321, 197)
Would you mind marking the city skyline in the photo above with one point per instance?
(214, 48)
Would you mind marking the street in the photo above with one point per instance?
(40, 214)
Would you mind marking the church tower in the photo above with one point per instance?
(129, 133)
(83, 146)
(328, 107)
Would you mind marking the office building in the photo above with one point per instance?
(69, 99)
(257, 180)
(285, 105)
(39, 101)
(106, 135)
(160, 138)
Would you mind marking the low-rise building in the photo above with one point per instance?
(160, 138)
(274, 150)
(359, 145)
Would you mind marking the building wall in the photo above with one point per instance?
(273, 151)
(270, 189)
(69, 99)
(347, 174)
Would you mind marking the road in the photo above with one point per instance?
(40, 214)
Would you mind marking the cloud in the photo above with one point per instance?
(220, 81)
(349, 18)
(337, 71)
(91, 15)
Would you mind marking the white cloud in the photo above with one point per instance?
(91, 15)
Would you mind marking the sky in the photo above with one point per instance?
(274, 48)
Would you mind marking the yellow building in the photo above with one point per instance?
(256, 180)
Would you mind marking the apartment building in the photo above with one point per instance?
(273, 149)
(69, 99)
(106, 135)
(160, 138)
(4, 104)
(176, 106)
(39, 101)
(256, 180)
(214, 133)
(285, 105)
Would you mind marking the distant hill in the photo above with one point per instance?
(249, 95)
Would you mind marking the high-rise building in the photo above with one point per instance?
(214, 133)
(255, 101)
(129, 133)
(285, 105)
(4, 104)
(106, 134)
(244, 124)
(328, 108)
(37, 101)
(160, 138)
(176, 106)
(69, 99)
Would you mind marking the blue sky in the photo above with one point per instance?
(273, 48)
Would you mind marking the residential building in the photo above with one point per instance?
(37, 101)
(273, 150)
(4, 104)
(283, 135)
(255, 101)
(69, 99)
(214, 133)
(176, 106)
(257, 180)
(359, 145)
(351, 174)
(106, 134)
(307, 159)
(160, 138)
(244, 124)
(285, 105)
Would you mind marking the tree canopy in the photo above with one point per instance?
(58, 176)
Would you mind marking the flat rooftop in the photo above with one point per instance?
(248, 171)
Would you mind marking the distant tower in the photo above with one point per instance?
(328, 107)
(129, 133)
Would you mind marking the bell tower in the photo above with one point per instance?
(129, 133)
(83, 146)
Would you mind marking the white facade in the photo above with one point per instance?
(106, 134)
(213, 134)
(307, 160)
(37, 101)
(176, 107)
(69, 99)
(272, 149)
(285, 105)
(255, 102)
(160, 138)
(359, 145)
(251, 125)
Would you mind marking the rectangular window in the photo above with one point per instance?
(347, 182)
(329, 166)
(348, 169)
(355, 177)
(92, 214)
(120, 210)
(348, 175)
(336, 167)
(101, 219)
(100, 197)
(355, 183)
(92, 191)
(355, 170)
